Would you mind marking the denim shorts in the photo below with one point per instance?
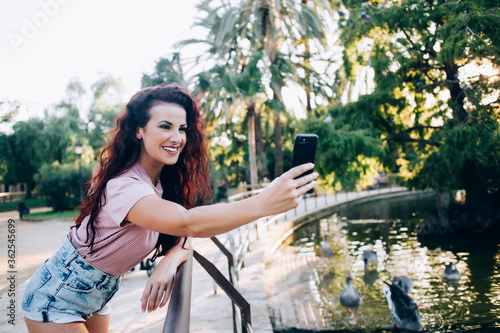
(66, 288)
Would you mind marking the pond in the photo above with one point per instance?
(388, 227)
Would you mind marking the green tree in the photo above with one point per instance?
(428, 104)
(167, 70)
(57, 137)
(107, 104)
(240, 31)
(60, 184)
(227, 90)
(23, 157)
(234, 80)
(8, 109)
(4, 156)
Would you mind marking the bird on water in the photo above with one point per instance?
(404, 310)
(451, 272)
(404, 283)
(325, 250)
(350, 298)
(369, 257)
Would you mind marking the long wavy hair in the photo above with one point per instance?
(186, 182)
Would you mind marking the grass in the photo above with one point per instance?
(51, 215)
(30, 203)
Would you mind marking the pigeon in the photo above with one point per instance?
(451, 272)
(365, 16)
(404, 283)
(404, 310)
(369, 257)
(325, 249)
(350, 297)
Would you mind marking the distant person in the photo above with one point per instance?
(152, 174)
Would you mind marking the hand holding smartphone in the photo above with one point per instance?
(304, 151)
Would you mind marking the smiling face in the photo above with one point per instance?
(163, 137)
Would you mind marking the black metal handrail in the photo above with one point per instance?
(179, 308)
(232, 292)
(178, 314)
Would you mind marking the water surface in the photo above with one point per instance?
(388, 227)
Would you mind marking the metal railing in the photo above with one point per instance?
(242, 321)
(178, 314)
(233, 248)
(179, 308)
(236, 243)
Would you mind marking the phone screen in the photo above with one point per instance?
(304, 150)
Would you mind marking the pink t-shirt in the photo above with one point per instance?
(119, 245)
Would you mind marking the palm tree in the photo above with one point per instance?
(238, 32)
(222, 89)
(280, 26)
(167, 70)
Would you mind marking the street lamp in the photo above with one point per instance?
(78, 152)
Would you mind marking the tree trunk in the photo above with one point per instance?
(260, 149)
(251, 140)
(456, 93)
(278, 149)
(307, 67)
(29, 189)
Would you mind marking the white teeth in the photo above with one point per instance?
(170, 149)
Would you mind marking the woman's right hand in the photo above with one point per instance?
(285, 192)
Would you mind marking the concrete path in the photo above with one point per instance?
(210, 311)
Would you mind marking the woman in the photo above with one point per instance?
(153, 173)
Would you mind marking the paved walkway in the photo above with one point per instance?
(210, 311)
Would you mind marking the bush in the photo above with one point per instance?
(60, 184)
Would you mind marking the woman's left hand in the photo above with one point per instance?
(159, 285)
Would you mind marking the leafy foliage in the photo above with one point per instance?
(106, 106)
(8, 109)
(22, 155)
(60, 184)
(343, 157)
(427, 107)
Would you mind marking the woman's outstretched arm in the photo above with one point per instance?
(283, 194)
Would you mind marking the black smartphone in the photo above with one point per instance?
(304, 150)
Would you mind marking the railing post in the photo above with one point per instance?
(179, 307)
(230, 258)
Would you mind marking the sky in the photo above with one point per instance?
(45, 43)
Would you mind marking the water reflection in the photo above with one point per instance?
(388, 228)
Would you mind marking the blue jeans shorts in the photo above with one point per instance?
(66, 288)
